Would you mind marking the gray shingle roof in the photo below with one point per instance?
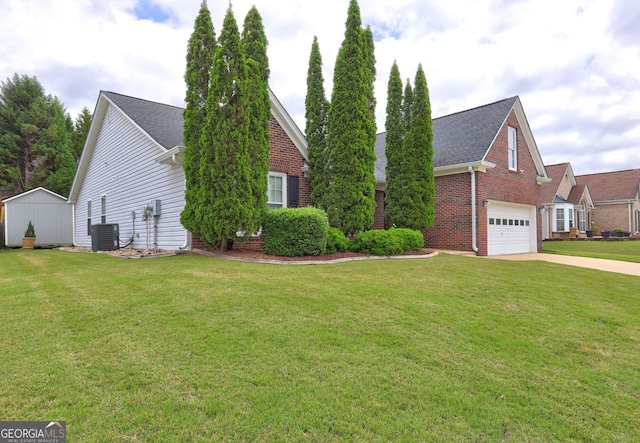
(463, 137)
(162, 122)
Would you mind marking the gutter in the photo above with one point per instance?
(474, 244)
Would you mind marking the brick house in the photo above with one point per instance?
(566, 204)
(488, 175)
(130, 172)
(616, 197)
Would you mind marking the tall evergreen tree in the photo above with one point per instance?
(316, 108)
(254, 41)
(34, 137)
(81, 127)
(419, 155)
(395, 130)
(60, 162)
(225, 170)
(351, 193)
(200, 50)
(370, 66)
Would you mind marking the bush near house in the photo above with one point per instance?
(336, 241)
(412, 240)
(294, 232)
(377, 242)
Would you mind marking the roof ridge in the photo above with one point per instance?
(610, 172)
(142, 99)
(478, 107)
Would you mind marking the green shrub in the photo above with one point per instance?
(294, 232)
(376, 242)
(412, 240)
(336, 241)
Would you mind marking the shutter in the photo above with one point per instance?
(293, 182)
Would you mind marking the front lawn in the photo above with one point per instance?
(628, 250)
(189, 348)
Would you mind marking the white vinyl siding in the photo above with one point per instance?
(513, 149)
(122, 168)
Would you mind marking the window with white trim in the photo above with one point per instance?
(513, 149)
(88, 217)
(571, 224)
(276, 190)
(582, 218)
(560, 220)
(103, 209)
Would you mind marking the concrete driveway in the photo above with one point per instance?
(621, 267)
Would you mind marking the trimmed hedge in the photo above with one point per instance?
(377, 242)
(294, 232)
(411, 239)
(336, 241)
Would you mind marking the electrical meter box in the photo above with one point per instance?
(155, 207)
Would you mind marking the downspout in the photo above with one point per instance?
(474, 244)
(630, 218)
(187, 241)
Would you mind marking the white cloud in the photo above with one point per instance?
(573, 63)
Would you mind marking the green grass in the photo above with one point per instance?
(628, 250)
(198, 349)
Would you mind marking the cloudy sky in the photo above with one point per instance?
(574, 63)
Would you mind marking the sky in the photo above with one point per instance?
(575, 64)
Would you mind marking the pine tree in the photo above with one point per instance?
(225, 169)
(395, 130)
(351, 193)
(254, 41)
(80, 131)
(419, 155)
(35, 142)
(316, 108)
(200, 50)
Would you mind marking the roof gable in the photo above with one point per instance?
(35, 191)
(612, 186)
(464, 138)
(557, 173)
(163, 124)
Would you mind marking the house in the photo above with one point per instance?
(566, 204)
(130, 173)
(488, 176)
(49, 212)
(616, 197)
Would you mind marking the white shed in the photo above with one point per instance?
(51, 215)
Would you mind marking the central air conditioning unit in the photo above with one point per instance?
(104, 237)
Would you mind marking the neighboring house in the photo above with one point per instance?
(49, 212)
(132, 164)
(488, 174)
(616, 196)
(565, 204)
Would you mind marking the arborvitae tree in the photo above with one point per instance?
(395, 130)
(80, 131)
(419, 155)
(200, 50)
(370, 65)
(34, 137)
(316, 108)
(351, 193)
(228, 204)
(254, 41)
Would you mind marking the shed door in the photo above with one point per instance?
(511, 229)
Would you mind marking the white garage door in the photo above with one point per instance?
(511, 229)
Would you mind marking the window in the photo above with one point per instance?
(277, 190)
(492, 221)
(560, 219)
(513, 149)
(582, 218)
(89, 217)
(103, 209)
(571, 225)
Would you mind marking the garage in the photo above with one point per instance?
(511, 229)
